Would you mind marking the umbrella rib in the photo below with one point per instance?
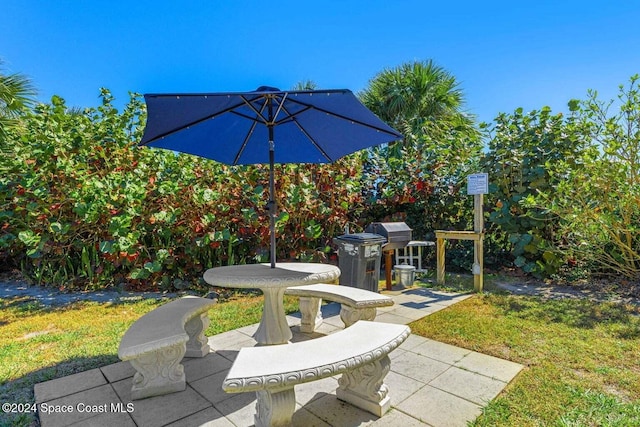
(245, 142)
(250, 105)
(280, 107)
(195, 122)
(304, 131)
(340, 116)
(259, 113)
(253, 126)
(248, 117)
(292, 116)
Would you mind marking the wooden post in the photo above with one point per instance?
(478, 256)
(440, 257)
(442, 236)
(387, 268)
(478, 185)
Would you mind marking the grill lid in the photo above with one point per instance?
(398, 234)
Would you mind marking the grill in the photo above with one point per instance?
(398, 234)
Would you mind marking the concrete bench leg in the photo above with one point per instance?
(198, 344)
(350, 315)
(159, 372)
(311, 314)
(365, 388)
(274, 408)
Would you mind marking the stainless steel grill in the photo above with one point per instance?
(398, 234)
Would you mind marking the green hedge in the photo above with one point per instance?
(84, 207)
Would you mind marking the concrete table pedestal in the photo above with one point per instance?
(273, 282)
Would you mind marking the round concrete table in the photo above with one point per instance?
(273, 328)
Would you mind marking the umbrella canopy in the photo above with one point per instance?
(264, 126)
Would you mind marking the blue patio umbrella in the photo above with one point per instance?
(264, 126)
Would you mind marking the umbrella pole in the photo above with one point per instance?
(272, 202)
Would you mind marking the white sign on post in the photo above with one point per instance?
(478, 183)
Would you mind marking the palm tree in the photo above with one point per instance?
(415, 96)
(441, 144)
(305, 85)
(16, 94)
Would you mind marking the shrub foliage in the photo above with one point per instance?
(83, 206)
(596, 203)
(529, 154)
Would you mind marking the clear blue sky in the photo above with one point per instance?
(504, 54)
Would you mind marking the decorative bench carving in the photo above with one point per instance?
(156, 343)
(360, 353)
(356, 304)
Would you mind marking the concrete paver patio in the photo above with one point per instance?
(430, 383)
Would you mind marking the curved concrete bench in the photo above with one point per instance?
(356, 304)
(360, 353)
(156, 343)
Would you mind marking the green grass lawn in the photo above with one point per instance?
(582, 358)
(39, 343)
